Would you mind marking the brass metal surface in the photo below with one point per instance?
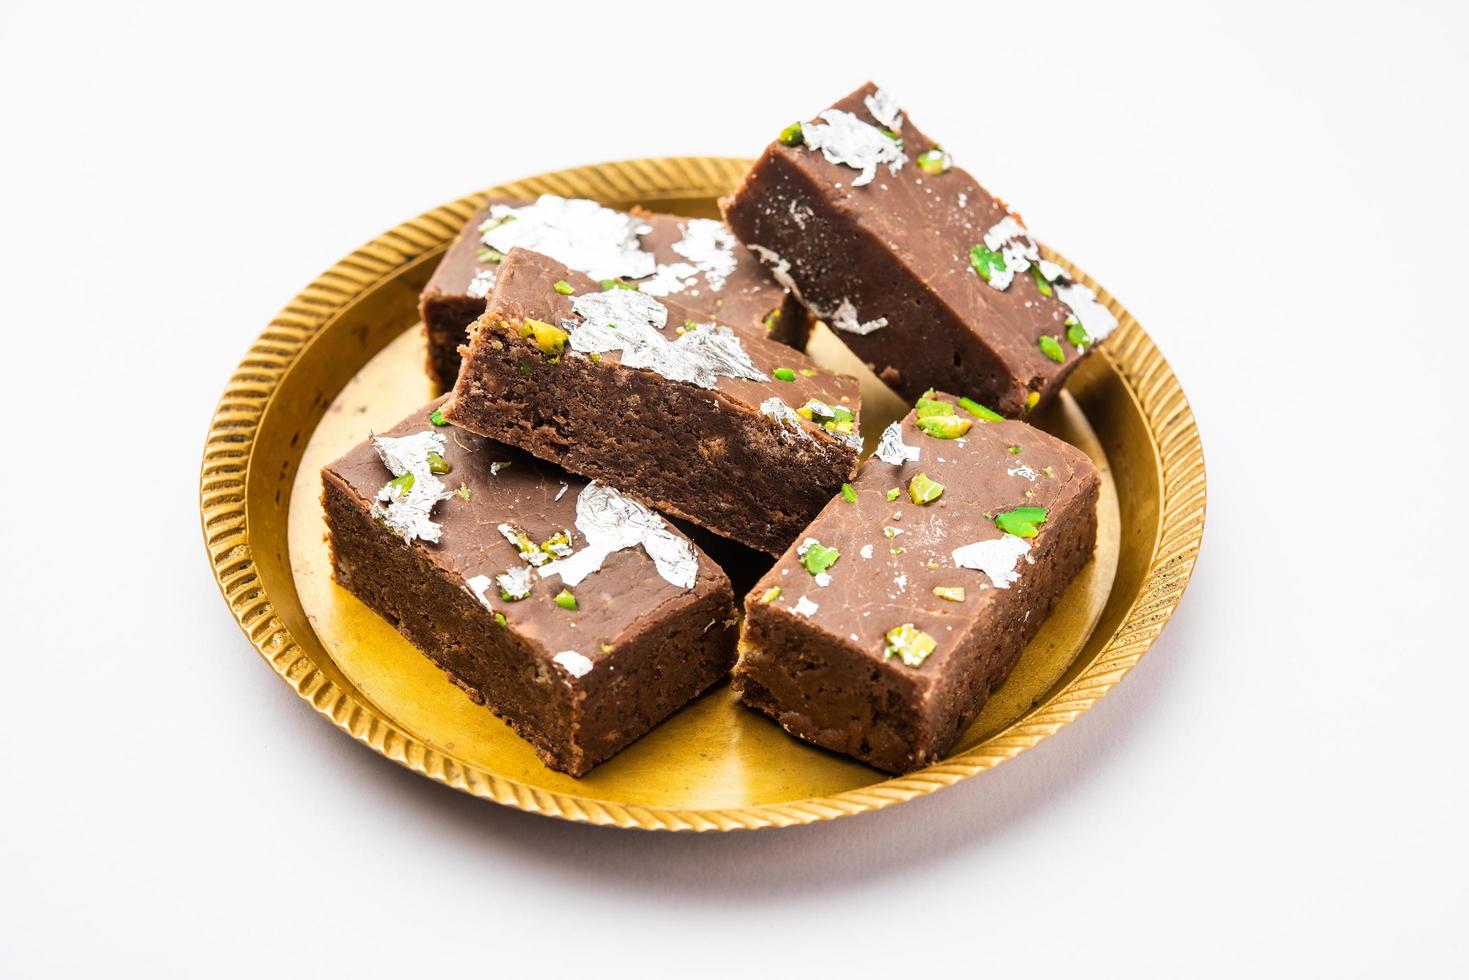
(346, 356)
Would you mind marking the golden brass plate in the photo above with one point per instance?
(346, 356)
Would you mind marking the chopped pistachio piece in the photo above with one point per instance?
(979, 411)
(550, 339)
(929, 407)
(607, 284)
(606, 647)
(953, 593)
(784, 374)
(893, 494)
(1076, 333)
(816, 557)
(922, 490)
(437, 417)
(487, 254)
(595, 357)
(566, 600)
(1032, 400)
(463, 492)
(910, 644)
(563, 287)
(792, 135)
(934, 162)
(1041, 283)
(944, 426)
(772, 319)
(771, 594)
(400, 485)
(986, 261)
(809, 372)
(1022, 521)
(437, 465)
(1052, 349)
(500, 619)
(848, 494)
(1014, 450)
(1049, 472)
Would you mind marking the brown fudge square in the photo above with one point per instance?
(703, 421)
(621, 622)
(921, 271)
(694, 259)
(882, 633)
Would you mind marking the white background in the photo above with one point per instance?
(1276, 192)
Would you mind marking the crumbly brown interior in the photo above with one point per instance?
(680, 449)
(446, 320)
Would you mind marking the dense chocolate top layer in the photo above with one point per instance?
(526, 287)
(930, 222)
(895, 553)
(746, 295)
(540, 499)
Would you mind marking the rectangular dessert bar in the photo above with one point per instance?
(695, 259)
(924, 274)
(713, 423)
(883, 631)
(572, 612)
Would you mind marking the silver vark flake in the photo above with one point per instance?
(409, 514)
(846, 140)
(892, 449)
(611, 522)
(784, 414)
(582, 234)
(884, 109)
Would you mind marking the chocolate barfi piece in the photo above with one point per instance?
(924, 274)
(695, 259)
(572, 612)
(714, 423)
(883, 631)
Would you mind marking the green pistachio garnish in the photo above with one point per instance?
(1052, 349)
(562, 286)
(1014, 450)
(500, 619)
(566, 600)
(437, 417)
(928, 407)
(437, 465)
(772, 319)
(554, 543)
(986, 261)
(1049, 472)
(893, 494)
(490, 224)
(1022, 521)
(979, 411)
(1076, 333)
(817, 558)
(910, 644)
(400, 485)
(953, 593)
(897, 551)
(934, 162)
(463, 492)
(771, 594)
(891, 135)
(792, 135)
(511, 598)
(607, 284)
(944, 426)
(595, 357)
(1032, 400)
(606, 647)
(888, 531)
(1041, 282)
(922, 490)
(490, 255)
(784, 374)
(525, 368)
(848, 494)
(550, 339)
(809, 372)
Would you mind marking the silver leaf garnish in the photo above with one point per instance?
(562, 492)
(529, 552)
(630, 321)
(1094, 318)
(884, 109)
(576, 665)
(996, 557)
(1010, 238)
(478, 586)
(806, 607)
(780, 269)
(581, 234)
(892, 449)
(611, 522)
(777, 409)
(850, 142)
(515, 581)
(845, 318)
(408, 515)
(866, 551)
(479, 287)
(709, 248)
(1024, 471)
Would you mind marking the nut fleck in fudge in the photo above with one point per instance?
(713, 423)
(882, 632)
(922, 272)
(695, 259)
(572, 612)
